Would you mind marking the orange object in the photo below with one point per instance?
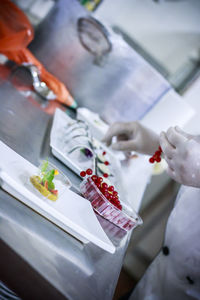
(16, 33)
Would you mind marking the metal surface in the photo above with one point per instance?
(105, 87)
(93, 36)
(38, 259)
(90, 84)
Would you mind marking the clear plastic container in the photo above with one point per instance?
(102, 206)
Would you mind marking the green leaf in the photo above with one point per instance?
(51, 185)
(49, 176)
(44, 167)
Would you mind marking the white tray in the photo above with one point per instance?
(70, 212)
(60, 150)
(62, 120)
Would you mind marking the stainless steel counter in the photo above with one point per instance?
(109, 87)
(37, 259)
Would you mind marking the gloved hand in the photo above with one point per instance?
(132, 136)
(188, 135)
(182, 154)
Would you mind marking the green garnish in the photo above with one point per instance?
(48, 175)
(44, 166)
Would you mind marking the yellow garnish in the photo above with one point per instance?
(56, 172)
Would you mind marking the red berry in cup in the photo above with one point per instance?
(89, 171)
(114, 199)
(106, 194)
(111, 188)
(94, 178)
(106, 163)
(99, 179)
(113, 202)
(98, 185)
(117, 202)
(104, 185)
(119, 206)
(82, 173)
(115, 193)
(104, 191)
(110, 197)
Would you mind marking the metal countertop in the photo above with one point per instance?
(38, 259)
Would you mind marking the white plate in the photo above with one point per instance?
(71, 212)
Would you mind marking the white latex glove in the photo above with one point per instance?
(182, 154)
(188, 135)
(132, 136)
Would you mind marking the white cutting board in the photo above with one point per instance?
(71, 212)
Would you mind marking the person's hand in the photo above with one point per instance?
(182, 154)
(132, 136)
(188, 135)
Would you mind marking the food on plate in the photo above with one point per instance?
(104, 169)
(101, 158)
(87, 152)
(44, 183)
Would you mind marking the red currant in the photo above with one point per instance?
(151, 160)
(104, 185)
(89, 171)
(157, 153)
(94, 178)
(106, 194)
(104, 191)
(111, 188)
(157, 156)
(114, 199)
(120, 207)
(113, 202)
(104, 153)
(110, 197)
(158, 159)
(99, 179)
(115, 193)
(106, 163)
(82, 173)
(105, 175)
(98, 185)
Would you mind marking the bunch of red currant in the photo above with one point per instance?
(157, 156)
(89, 172)
(108, 191)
